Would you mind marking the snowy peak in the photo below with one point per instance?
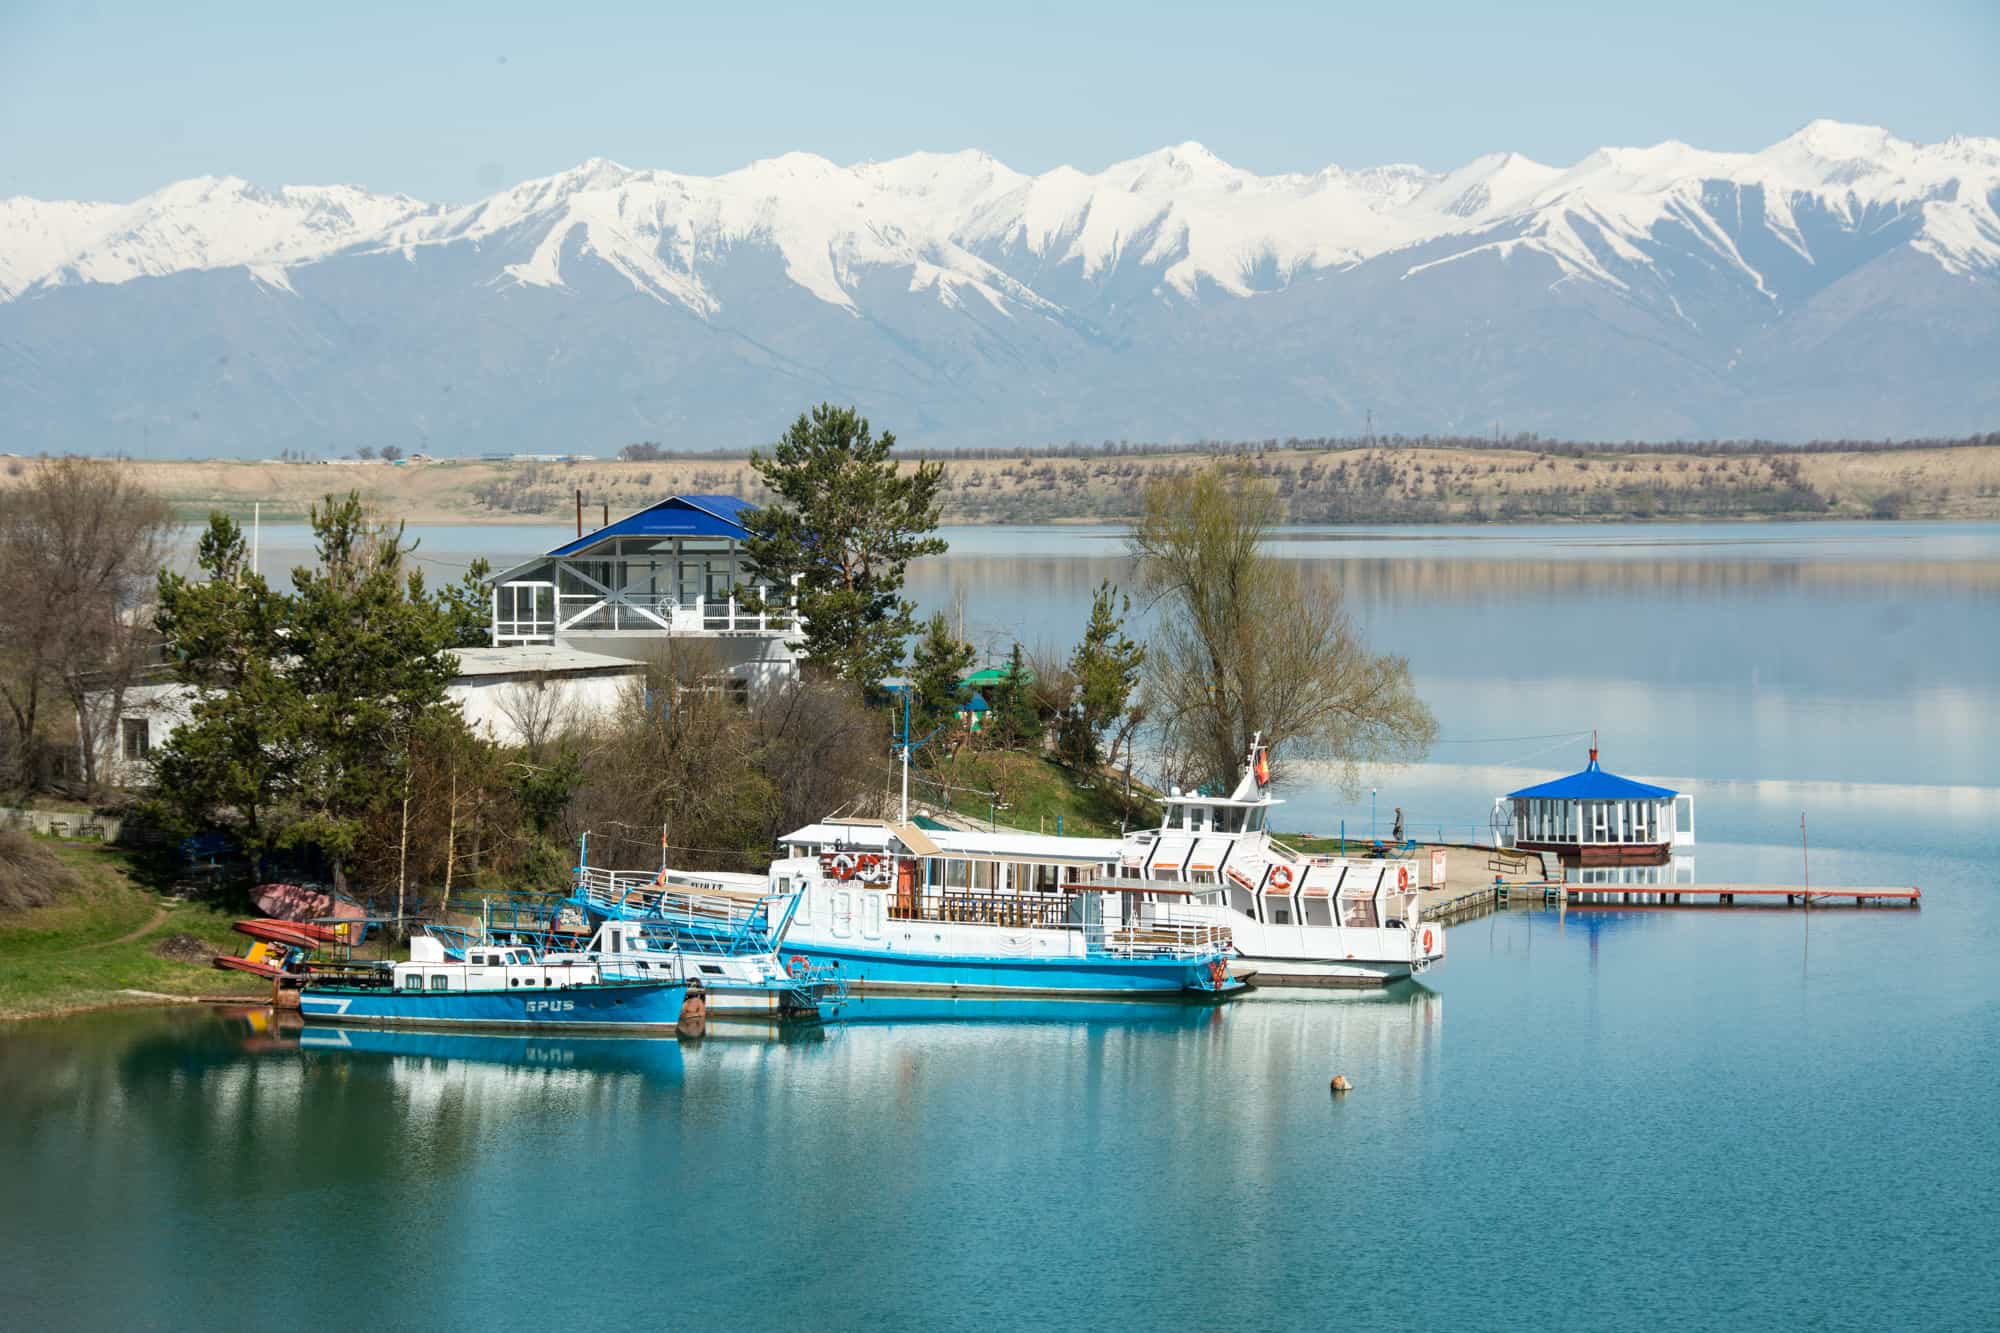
(1174, 223)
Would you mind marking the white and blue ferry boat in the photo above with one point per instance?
(889, 906)
(490, 986)
(1204, 902)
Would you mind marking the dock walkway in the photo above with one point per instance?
(1726, 895)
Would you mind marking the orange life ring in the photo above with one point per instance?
(1281, 877)
(1403, 878)
(797, 965)
(1427, 939)
(843, 866)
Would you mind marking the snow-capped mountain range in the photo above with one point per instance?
(1842, 281)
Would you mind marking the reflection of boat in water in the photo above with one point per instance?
(658, 1058)
(881, 1007)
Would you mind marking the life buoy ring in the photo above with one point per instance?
(1403, 878)
(1427, 941)
(797, 965)
(1281, 877)
(843, 866)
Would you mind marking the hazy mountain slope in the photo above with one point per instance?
(1842, 282)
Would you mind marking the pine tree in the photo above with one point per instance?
(305, 707)
(1106, 666)
(937, 665)
(369, 652)
(225, 638)
(1013, 720)
(845, 524)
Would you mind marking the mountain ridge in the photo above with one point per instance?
(982, 304)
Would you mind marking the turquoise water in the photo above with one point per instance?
(1582, 1120)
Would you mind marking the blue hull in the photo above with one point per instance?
(869, 969)
(643, 1005)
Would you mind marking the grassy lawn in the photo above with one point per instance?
(75, 953)
(1035, 793)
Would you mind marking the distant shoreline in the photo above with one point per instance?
(1348, 486)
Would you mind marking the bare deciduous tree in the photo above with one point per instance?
(81, 543)
(539, 711)
(1246, 643)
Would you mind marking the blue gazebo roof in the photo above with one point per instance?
(1594, 784)
(675, 516)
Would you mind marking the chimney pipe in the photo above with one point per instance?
(579, 511)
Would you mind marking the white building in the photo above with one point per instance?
(671, 571)
(571, 630)
(512, 696)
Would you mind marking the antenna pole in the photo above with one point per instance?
(1805, 859)
(906, 754)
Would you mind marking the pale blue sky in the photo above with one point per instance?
(108, 100)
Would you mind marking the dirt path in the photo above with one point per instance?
(159, 919)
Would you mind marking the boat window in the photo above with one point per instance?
(711, 969)
(413, 981)
(439, 981)
(1254, 822)
(1283, 916)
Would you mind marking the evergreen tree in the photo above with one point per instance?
(468, 605)
(1013, 719)
(937, 665)
(369, 654)
(845, 523)
(1106, 667)
(305, 707)
(225, 638)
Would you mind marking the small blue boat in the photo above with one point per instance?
(491, 987)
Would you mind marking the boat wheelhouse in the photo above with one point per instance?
(1592, 818)
(889, 906)
(715, 931)
(1295, 919)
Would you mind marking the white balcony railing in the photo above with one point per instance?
(641, 613)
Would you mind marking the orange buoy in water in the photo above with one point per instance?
(1340, 1084)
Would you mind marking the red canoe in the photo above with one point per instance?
(298, 934)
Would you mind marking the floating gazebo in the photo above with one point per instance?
(1595, 818)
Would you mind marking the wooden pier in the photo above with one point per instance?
(1731, 895)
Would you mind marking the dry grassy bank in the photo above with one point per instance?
(1356, 485)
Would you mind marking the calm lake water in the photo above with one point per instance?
(1581, 1120)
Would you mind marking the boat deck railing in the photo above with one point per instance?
(706, 915)
(1059, 911)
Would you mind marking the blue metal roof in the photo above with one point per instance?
(675, 516)
(1594, 784)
